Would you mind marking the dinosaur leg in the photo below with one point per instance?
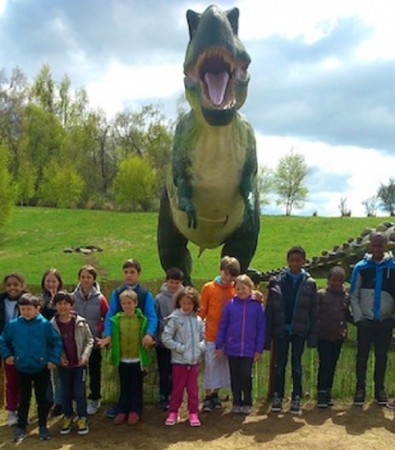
(172, 245)
(242, 243)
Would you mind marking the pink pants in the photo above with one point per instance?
(11, 387)
(184, 377)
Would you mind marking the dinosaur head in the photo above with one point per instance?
(215, 66)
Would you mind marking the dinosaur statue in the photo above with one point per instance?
(210, 196)
(345, 255)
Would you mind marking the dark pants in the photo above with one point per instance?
(73, 382)
(297, 346)
(94, 368)
(379, 334)
(40, 382)
(131, 388)
(163, 356)
(328, 353)
(241, 379)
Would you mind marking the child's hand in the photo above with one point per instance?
(63, 361)
(51, 365)
(10, 360)
(219, 352)
(83, 362)
(104, 342)
(257, 295)
(148, 341)
(257, 356)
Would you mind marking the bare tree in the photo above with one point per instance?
(345, 211)
(371, 205)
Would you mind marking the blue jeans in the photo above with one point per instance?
(282, 346)
(328, 352)
(73, 388)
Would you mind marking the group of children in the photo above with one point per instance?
(51, 341)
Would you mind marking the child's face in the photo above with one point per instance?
(226, 277)
(28, 312)
(51, 283)
(128, 306)
(130, 275)
(87, 280)
(378, 247)
(173, 285)
(296, 262)
(186, 305)
(63, 308)
(13, 287)
(242, 290)
(336, 281)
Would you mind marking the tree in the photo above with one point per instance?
(265, 185)
(345, 211)
(288, 181)
(134, 184)
(371, 205)
(6, 187)
(386, 194)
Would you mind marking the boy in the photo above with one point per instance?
(291, 314)
(32, 358)
(128, 329)
(78, 344)
(131, 272)
(213, 297)
(164, 306)
(373, 306)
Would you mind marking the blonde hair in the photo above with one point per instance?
(128, 294)
(246, 280)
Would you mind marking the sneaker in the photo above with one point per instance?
(93, 407)
(12, 418)
(215, 402)
(56, 411)
(207, 406)
(82, 426)
(381, 398)
(330, 399)
(112, 411)
(172, 419)
(359, 398)
(43, 434)
(120, 418)
(295, 405)
(245, 409)
(19, 434)
(277, 403)
(66, 426)
(194, 420)
(322, 399)
(391, 405)
(236, 409)
(133, 418)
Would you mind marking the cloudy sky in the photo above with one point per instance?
(322, 75)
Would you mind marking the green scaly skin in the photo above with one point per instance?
(210, 196)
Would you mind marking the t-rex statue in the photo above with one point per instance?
(210, 197)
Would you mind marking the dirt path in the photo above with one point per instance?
(342, 427)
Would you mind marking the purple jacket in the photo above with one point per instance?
(242, 329)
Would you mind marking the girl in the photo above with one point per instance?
(241, 336)
(51, 284)
(91, 304)
(14, 285)
(184, 336)
(333, 314)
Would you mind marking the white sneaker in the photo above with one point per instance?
(12, 418)
(93, 407)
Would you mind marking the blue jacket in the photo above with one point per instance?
(146, 303)
(242, 329)
(33, 343)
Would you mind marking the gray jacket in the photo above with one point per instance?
(164, 306)
(184, 336)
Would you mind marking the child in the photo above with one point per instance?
(241, 336)
(214, 296)
(32, 359)
(77, 344)
(131, 272)
(51, 283)
(164, 306)
(184, 336)
(291, 314)
(91, 304)
(128, 329)
(14, 285)
(333, 314)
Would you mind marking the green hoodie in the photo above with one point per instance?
(116, 347)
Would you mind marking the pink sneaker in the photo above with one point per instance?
(194, 420)
(172, 419)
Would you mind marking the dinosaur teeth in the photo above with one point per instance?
(216, 86)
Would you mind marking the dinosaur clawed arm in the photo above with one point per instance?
(185, 201)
